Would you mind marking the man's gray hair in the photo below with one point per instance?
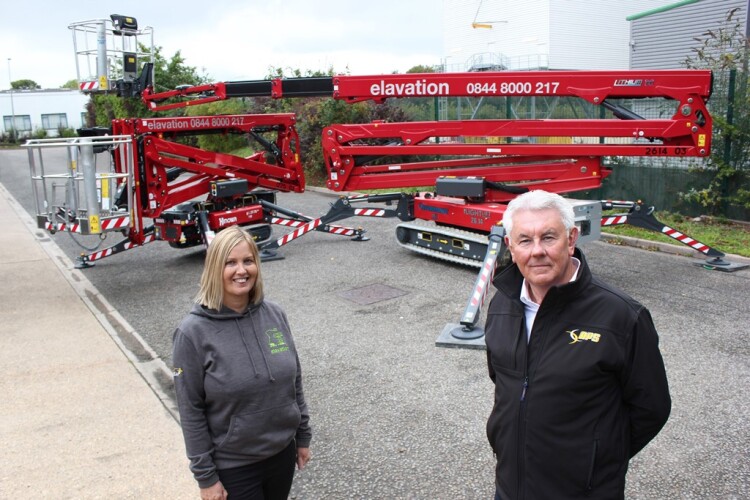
(539, 200)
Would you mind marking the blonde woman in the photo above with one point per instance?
(238, 381)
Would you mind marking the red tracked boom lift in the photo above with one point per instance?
(475, 166)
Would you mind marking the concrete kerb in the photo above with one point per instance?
(147, 363)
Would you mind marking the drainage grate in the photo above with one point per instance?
(371, 294)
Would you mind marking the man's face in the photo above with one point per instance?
(542, 248)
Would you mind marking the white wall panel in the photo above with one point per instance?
(526, 34)
(663, 40)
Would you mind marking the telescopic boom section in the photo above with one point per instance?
(593, 86)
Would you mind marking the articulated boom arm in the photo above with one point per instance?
(170, 173)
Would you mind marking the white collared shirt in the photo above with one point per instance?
(530, 308)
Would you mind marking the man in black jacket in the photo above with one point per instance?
(580, 385)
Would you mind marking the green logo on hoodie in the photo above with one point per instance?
(276, 341)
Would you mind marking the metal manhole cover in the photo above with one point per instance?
(371, 294)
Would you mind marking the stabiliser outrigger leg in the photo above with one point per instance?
(85, 261)
(467, 334)
(341, 209)
(642, 216)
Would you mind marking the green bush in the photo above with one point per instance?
(64, 132)
(39, 133)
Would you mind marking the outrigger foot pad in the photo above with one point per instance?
(269, 255)
(455, 335)
(82, 263)
(719, 264)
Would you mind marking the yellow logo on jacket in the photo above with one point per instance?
(581, 335)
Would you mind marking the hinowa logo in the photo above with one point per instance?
(276, 341)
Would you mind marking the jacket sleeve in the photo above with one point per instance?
(490, 369)
(304, 432)
(646, 392)
(188, 381)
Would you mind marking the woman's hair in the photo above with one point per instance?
(211, 293)
(539, 200)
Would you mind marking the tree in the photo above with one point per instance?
(24, 85)
(70, 84)
(421, 68)
(725, 51)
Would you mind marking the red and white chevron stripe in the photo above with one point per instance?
(612, 221)
(369, 212)
(477, 298)
(87, 86)
(117, 223)
(344, 231)
(687, 240)
(341, 230)
(299, 232)
(73, 228)
(103, 253)
(127, 246)
(286, 222)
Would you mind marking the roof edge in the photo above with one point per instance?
(660, 9)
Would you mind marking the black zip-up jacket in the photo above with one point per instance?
(586, 393)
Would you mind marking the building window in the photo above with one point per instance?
(54, 121)
(22, 123)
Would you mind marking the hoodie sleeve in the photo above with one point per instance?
(304, 432)
(188, 381)
(646, 391)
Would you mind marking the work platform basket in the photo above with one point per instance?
(76, 186)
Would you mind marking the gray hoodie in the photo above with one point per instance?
(239, 388)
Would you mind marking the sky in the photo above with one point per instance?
(231, 40)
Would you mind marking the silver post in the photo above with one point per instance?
(12, 107)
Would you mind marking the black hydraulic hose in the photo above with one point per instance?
(620, 112)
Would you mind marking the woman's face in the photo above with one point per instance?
(240, 272)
